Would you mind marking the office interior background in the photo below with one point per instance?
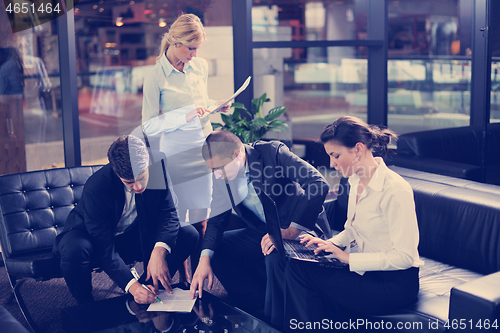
(412, 65)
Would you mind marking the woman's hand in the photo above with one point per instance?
(225, 108)
(332, 248)
(309, 240)
(198, 112)
(325, 246)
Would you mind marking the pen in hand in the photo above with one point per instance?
(157, 298)
(136, 276)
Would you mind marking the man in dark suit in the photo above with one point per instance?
(241, 174)
(126, 213)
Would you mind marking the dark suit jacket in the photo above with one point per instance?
(297, 188)
(101, 206)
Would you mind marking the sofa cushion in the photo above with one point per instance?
(430, 312)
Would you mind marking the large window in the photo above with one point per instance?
(429, 67)
(30, 110)
(117, 44)
(310, 20)
(495, 62)
(316, 83)
(325, 84)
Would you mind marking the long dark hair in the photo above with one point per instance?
(348, 131)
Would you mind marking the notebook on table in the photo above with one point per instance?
(293, 249)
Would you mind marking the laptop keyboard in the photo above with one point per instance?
(299, 250)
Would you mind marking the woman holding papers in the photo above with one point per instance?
(379, 241)
(174, 102)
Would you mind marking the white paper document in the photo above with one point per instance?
(243, 87)
(179, 301)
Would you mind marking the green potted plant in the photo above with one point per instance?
(256, 126)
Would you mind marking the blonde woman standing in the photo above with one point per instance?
(175, 99)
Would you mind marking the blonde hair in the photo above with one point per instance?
(187, 29)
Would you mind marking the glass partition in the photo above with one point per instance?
(429, 66)
(117, 44)
(495, 62)
(30, 110)
(325, 84)
(309, 20)
(428, 94)
(495, 91)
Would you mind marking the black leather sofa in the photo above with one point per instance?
(9, 324)
(455, 152)
(459, 223)
(33, 210)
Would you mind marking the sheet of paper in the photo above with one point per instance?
(243, 87)
(179, 301)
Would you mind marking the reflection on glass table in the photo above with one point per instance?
(123, 314)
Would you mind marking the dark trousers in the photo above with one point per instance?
(78, 258)
(240, 266)
(307, 292)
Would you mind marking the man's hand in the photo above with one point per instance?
(141, 295)
(158, 269)
(203, 271)
(266, 245)
(290, 233)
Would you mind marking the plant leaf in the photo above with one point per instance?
(259, 122)
(275, 113)
(236, 114)
(246, 137)
(257, 104)
(242, 123)
(228, 120)
(217, 125)
(278, 125)
(238, 105)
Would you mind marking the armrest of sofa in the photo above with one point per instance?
(476, 300)
(433, 165)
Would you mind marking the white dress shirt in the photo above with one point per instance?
(383, 224)
(168, 89)
(168, 96)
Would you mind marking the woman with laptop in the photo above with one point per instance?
(379, 242)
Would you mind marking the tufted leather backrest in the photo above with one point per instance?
(459, 226)
(461, 144)
(34, 207)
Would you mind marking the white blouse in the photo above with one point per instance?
(168, 89)
(383, 224)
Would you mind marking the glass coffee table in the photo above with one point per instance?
(122, 314)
